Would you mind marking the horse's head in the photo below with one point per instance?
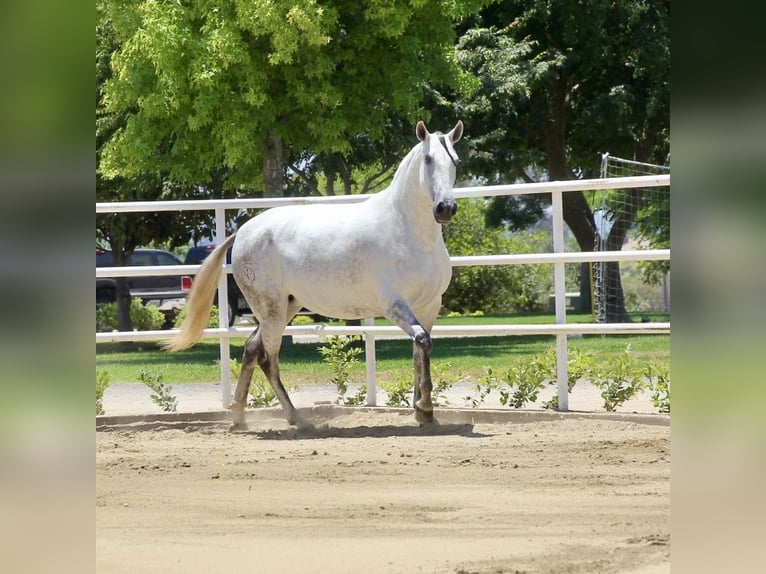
(438, 168)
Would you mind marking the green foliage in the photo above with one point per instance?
(302, 320)
(197, 76)
(163, 393)
(580, 365)
(523, 382)
(658, 376)
(621, 380)
(340, 355)
(399, 390)
(261, 392)
(358, 398)
(102, 383)
(443, 376)
(144, 317)
(212, 321)
(483, 387)
(493, 289)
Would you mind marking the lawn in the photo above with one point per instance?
(302, 363)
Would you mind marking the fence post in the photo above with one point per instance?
(223, 315)
(369, 360)
(559, 290)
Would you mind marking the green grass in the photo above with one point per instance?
(302, 363)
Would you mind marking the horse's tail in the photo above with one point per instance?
(200, 299)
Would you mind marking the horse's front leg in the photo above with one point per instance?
(401, 314)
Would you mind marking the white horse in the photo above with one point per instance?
(381, 257)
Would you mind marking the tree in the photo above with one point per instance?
(236, 85)
(123, 232)
(493, 289)
(560, 81)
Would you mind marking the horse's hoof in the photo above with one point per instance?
(238, 427)
(304, 426)
(424, 417)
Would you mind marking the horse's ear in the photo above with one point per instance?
(457, 132)
(421, 131)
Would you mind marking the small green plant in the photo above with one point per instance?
(526, 379)
(358, 398)
(621, 381)
(483, 387)
(398, 391)
(658, 375)
(302, 320)
(261, 393)
(212, 321)
(102, 383)
(339, 353)
(162, 396)
(580, 365)
(144, 317)
(442, 381)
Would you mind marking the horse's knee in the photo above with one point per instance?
(423, 342)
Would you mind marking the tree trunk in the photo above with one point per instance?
(577, 213)
(273, 167)
(124, 321)
(616, 312)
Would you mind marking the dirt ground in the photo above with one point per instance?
(371, 492)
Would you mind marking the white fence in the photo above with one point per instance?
(558, 258)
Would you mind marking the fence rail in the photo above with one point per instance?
(558, 258)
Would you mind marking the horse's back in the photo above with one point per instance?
(341, 261)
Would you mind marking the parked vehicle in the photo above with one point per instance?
(237, 304)
(158, 289)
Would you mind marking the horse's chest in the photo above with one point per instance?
(425, 274)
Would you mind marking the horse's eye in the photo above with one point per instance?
(429, 158)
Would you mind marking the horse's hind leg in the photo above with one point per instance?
(263, 351)
(253, 349)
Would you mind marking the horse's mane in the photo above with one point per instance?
(404, 165)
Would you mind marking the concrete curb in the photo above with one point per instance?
(443, 415)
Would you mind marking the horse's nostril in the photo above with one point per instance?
(454, 209)
(440, 207)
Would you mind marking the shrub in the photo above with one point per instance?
(144, 317)
(339, 353)
(162, 396)
(212, 321)
(102, 383)
(580, 364)
(527, 378)
(398, 391)
(493, 289)
(658, 376)
(621, 381)
(261, 393)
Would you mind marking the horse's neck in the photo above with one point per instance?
(410, 208)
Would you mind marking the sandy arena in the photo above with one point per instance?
(372, 492)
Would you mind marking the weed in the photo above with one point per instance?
(398, 391)
(261, 393)
(658, 375)
(525, 380)
(580, 364)
(340, 355)
(442, 382)
(621, 380)
(102, 383)
(162, 395)
(483, 388)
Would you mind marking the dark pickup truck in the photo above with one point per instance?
(160, 288)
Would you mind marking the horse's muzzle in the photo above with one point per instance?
(444, 210)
